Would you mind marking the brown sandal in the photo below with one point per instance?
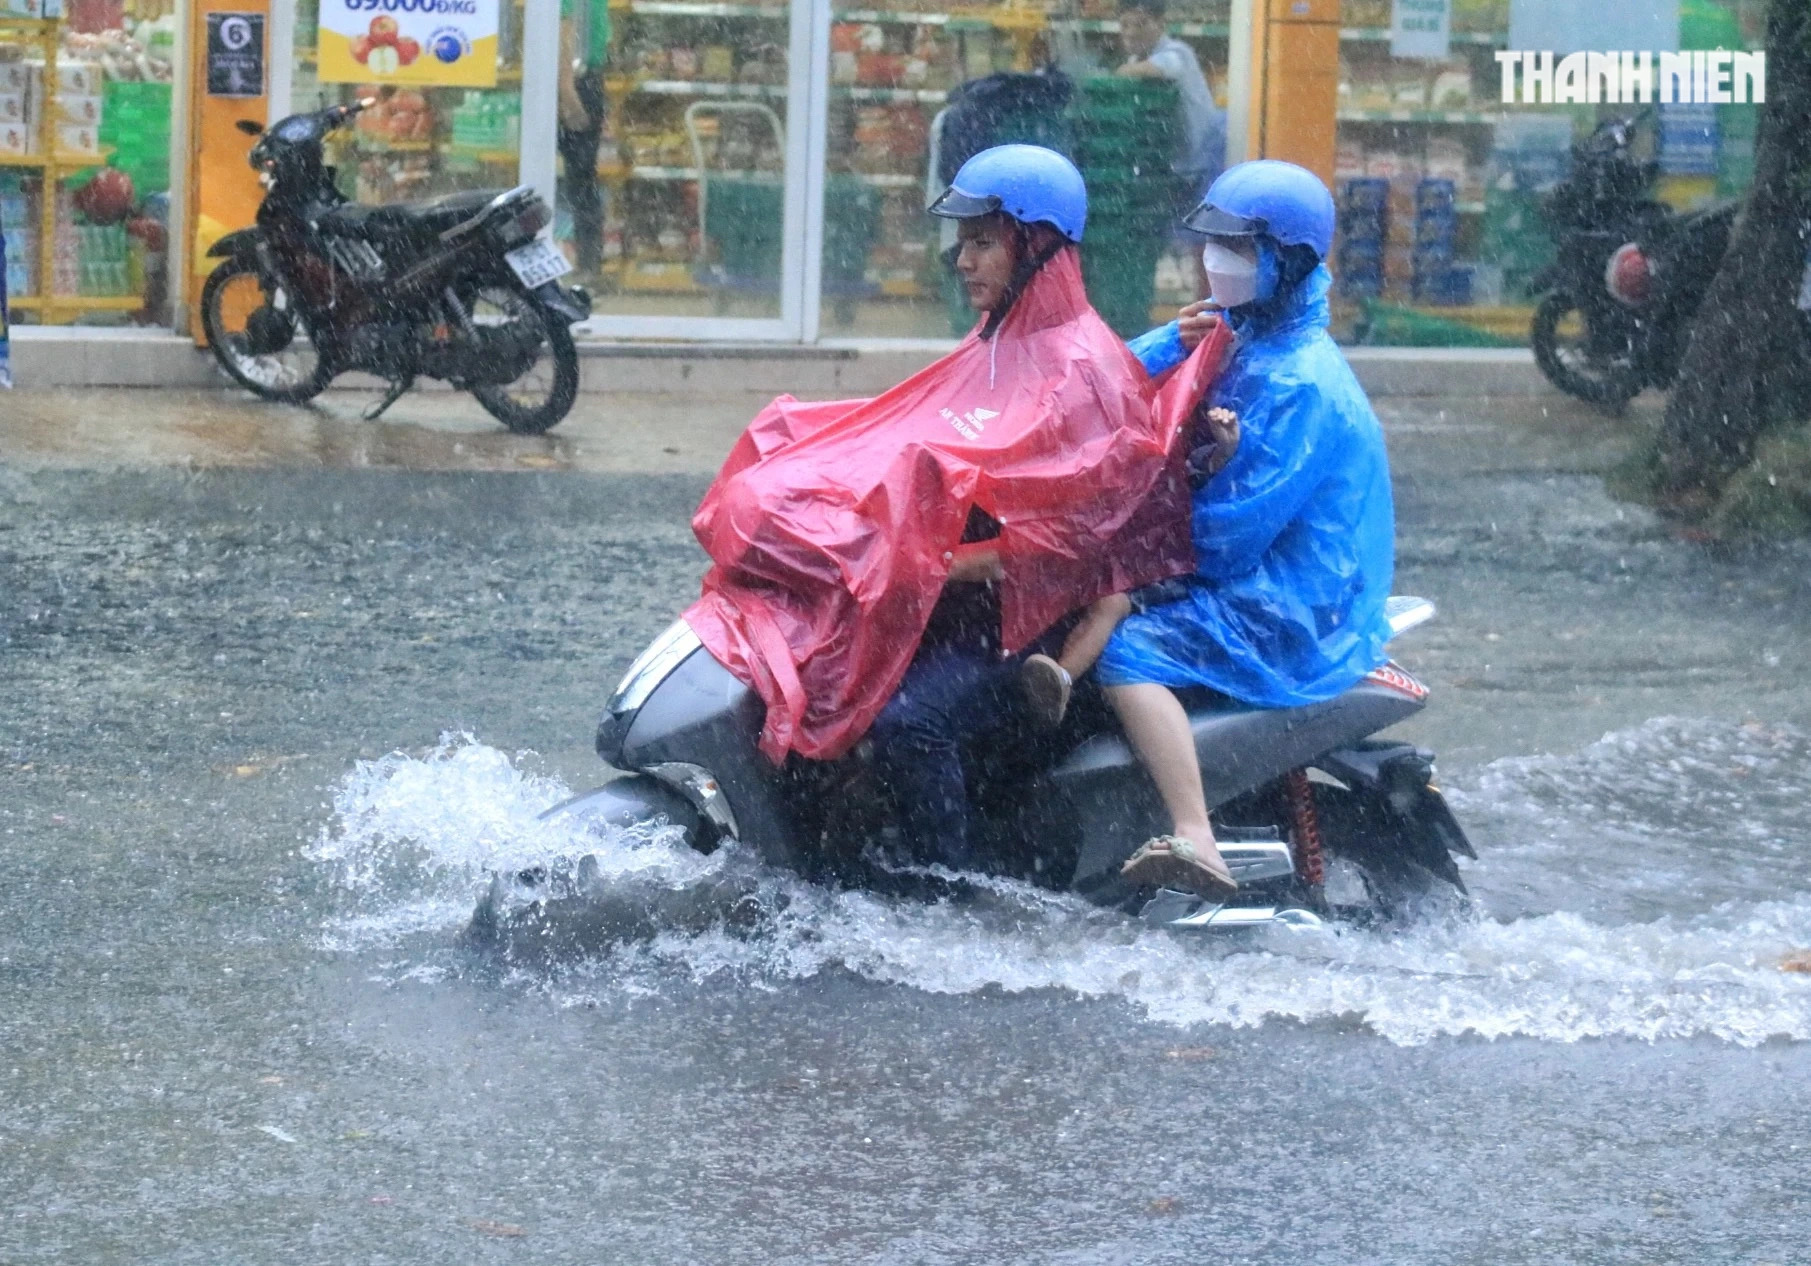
(1169, 861)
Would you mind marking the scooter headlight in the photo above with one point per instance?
(651, 667)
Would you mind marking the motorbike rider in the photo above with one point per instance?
(1016, 208)
(1294, 538)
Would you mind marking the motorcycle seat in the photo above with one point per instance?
(435, 215)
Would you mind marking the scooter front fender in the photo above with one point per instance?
(570, 305)
(630, 801)
(240, 243)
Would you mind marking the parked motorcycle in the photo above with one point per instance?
(461, 288)
(1629, 274)
(1316, 816)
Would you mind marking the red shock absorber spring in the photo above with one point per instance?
(1306, 827)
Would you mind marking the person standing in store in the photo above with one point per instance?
(584, 48)
(1153, 53)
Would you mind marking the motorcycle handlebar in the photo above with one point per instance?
(337, 115)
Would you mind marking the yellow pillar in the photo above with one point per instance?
(223, 189)
(1295, 82)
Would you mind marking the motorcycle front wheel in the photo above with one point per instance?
(258, 336)
(1597, 366)
(543, 392)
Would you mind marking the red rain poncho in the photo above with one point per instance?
(829, 522)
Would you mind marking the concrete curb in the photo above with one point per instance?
(63, 358)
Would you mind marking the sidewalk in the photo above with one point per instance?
(684, 432)
(60, 358)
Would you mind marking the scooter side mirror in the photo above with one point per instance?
(249, 127)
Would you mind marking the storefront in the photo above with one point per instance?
(759, 170)
(86, 102)
(1440, 184)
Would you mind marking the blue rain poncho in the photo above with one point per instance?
(1294, 539)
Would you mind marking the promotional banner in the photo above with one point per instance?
(1421, 29)
(1566, 26)
(451, 43)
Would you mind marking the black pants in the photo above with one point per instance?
(578, 151)
(951, 696)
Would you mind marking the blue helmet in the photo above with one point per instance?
(1268, 196)
(1032, 184)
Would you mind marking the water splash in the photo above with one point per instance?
(413, 841)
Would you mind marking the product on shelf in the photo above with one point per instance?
(1436, 280)
(1124, 139)
(486, 120)
(399, 116)
(1364, 221)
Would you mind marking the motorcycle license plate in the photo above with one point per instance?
(538, 263)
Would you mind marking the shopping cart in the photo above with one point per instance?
(741, 214)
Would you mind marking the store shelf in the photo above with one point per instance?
(893, 96)
(71, 162)
(375, 145)
(652, 278)
(1110, 26)
(644, 171)
(700, 88)
(1419, 116)
(690, 9)
(1381, 35)
(500, 157)
(76, 303)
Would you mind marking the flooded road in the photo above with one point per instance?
(283, 683)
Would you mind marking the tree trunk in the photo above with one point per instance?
(1746, 361)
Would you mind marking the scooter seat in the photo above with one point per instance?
(1239, 744)
(436, 215)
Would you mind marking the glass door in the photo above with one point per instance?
(682, 138)
(449, 98)
(913, 91)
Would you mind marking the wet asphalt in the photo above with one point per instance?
(214, 608)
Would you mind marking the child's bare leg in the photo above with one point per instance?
(1089, 638)
(1048, 681)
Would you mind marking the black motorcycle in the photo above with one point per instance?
(1317, 816)
(1629, 274)
(461, 288)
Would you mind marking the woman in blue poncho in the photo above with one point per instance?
(1294, 537)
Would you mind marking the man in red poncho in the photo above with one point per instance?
(880, 564)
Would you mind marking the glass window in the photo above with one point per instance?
(672, 145)
(1442, 188)
(419, 141)
(85, 106)
(914, 92)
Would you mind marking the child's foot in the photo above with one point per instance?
(1171, 861)
(1047, 685)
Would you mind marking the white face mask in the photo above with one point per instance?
(1232, 279)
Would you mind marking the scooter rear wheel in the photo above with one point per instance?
(1580, 360)
(543, 393)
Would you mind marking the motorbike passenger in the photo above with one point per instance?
(1294, 538)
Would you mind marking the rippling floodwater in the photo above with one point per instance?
(1629, 891)
(235, 1025)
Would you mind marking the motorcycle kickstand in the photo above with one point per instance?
(398, 389)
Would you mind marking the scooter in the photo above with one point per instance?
(1629, 274)
(462, 288)
(1317, 817)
